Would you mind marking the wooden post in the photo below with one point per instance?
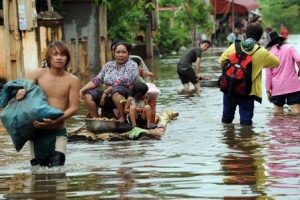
(232, 14)
(30, 53)
(102, 52)
(152, 25)
(74, 57)
(149, 40)
(49, 5)
(6, 71)
(102, 33)
(13, 41)
(83, 59)
(102, 20)
(108, 50)
(81, 62)
(86, 59)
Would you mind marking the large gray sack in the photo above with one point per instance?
(18, 116)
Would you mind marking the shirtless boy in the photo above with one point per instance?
(61, 88)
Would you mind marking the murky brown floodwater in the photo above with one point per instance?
(197, 158)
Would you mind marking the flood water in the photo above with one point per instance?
(197, 158)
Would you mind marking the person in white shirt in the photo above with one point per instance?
(234, 36)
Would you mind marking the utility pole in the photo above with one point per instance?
(13, 40)
(233, 20)
(152, 20)
(49, 4)
(20, 21)
(102, 33)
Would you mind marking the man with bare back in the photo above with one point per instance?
(48, 147)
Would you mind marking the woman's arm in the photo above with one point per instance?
(90, 85)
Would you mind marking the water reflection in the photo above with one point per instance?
(284, 153)
(36, 186)
(240, 164)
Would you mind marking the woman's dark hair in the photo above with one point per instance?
(139, 90)
(127, 46)
(279, 43)
(254, 30)
(116, 41)
(62, 47)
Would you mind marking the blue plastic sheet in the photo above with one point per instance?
(18, 116)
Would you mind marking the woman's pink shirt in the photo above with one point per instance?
(284, 78)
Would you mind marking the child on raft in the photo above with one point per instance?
(137, 108)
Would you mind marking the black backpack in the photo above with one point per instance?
(235, 79)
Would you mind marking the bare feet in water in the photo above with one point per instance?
(122, 120)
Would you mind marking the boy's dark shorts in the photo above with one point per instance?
(186, 74)
(289, 99)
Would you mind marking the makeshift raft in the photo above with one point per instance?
(82, 134)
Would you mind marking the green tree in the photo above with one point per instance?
(125, 19)
(178, 28)
(41, 5)
(277, 13)
(170, 36)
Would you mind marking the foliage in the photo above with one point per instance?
(169, 37)
(128, 18)
(125, 19)
(41, 5)
(105, 2)
(177, 28)
(277, 13)
(196, 13)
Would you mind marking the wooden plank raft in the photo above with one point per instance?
(82, 134)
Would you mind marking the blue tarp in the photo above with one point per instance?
(18, 116)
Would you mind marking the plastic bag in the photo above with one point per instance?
(18, 116)
(153, 91)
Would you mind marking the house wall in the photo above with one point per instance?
(47, 33)
(23, 52)
(2, 53)
(81, 19)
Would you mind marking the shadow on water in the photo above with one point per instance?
(197, 158)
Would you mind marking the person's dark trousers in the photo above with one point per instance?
(246, 108)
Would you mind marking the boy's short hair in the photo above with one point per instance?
(137, 60)
(205, 41)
